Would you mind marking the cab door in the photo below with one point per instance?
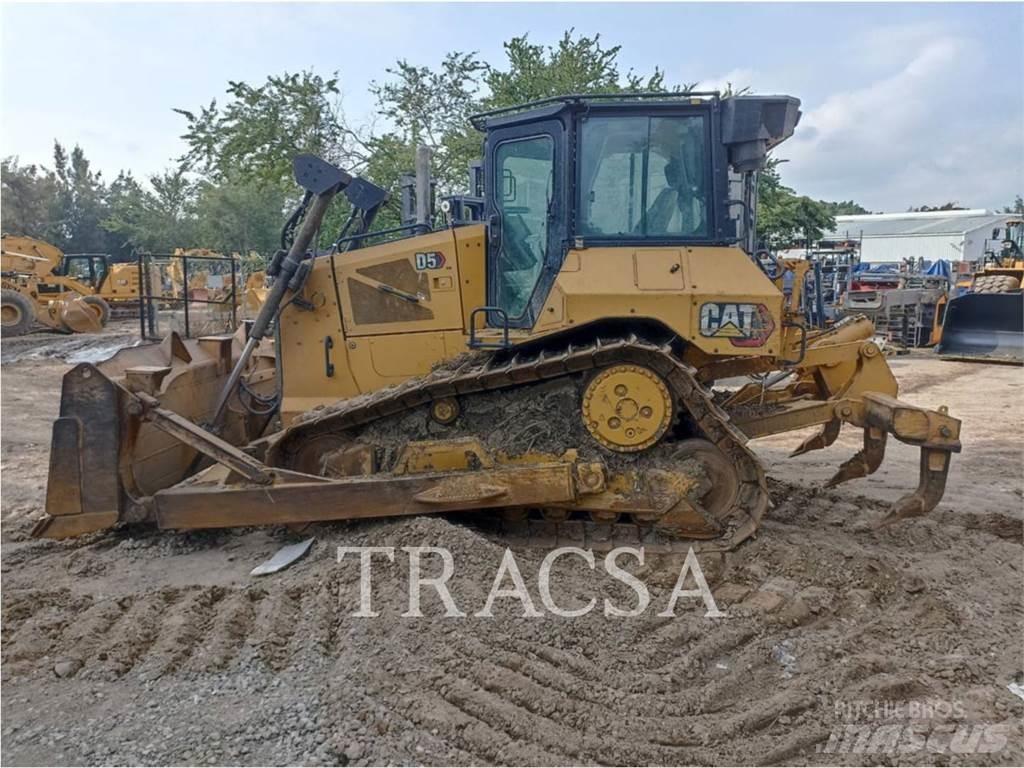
(525, 219)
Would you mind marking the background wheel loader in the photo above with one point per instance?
(987, 323)
(67, 292)
(552, 350)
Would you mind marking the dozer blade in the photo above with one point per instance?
(106, 459)
(984, 326)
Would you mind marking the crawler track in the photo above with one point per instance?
(482, 374)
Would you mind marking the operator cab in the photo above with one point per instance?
(577, 172)
(88, 268)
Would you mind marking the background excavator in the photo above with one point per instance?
(65, 292)
(987, 323)
(553, 350)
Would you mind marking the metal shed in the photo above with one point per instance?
(934, 235)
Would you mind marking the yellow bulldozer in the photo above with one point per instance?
(64, 292)
(556, 350)
(987, 322)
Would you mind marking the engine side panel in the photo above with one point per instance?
(380, 315)
(716, 298)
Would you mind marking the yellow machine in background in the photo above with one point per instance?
(254, 294)
(42, 285)
(200, 280)
(555, 350)
(987, 323)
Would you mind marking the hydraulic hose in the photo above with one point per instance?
(310, 225)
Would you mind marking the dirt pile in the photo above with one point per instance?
(136, 646)
(278, 670)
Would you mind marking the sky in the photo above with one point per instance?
(903, 104)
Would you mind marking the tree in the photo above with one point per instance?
(845, 208)
(159, 220)
(574, 65)
(1017, 207)
(434, 107)
(784, 219)
(240, 215)
(255, 136)
(27, 194)
(431, 108)
(233, 185)
(953, 206)
(79, 204)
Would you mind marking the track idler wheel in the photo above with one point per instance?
(701, 515)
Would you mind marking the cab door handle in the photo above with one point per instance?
(328, 365)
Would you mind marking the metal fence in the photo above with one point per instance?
(193, 294)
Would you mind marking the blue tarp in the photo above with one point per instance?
(941, 267)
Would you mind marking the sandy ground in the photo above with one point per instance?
(842, 644)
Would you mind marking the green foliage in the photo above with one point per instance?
(433, 107)
(233, 186)
(574, 65)
(952, 206)
(27, 191)
(1017, 207)
(79, 204)
(237, 215)
(261, 128)
(158, 221)
(845, 208)
(785, 219)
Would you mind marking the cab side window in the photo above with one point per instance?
(524, 175)
(643, 178)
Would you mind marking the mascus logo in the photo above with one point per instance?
(744, 325)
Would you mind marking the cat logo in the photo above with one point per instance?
(744, 325)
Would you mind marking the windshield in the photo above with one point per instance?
(643, 177)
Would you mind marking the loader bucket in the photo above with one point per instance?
(984, 326)
(78, 316)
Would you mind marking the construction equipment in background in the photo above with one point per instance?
(987, 323)
(831, 278)
(210, 304)
(40, 284)
(901, 304)
(552, 350)
(254, 294)
(903, 315)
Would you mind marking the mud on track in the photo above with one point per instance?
(173, 654)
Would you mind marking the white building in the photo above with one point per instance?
(949, 235)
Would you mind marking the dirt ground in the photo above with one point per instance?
(842, 644)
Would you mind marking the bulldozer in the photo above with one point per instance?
(63, 291)
(987, 323)
(560, 349)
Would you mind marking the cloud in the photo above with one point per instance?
(917, 133)
(737, 78)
